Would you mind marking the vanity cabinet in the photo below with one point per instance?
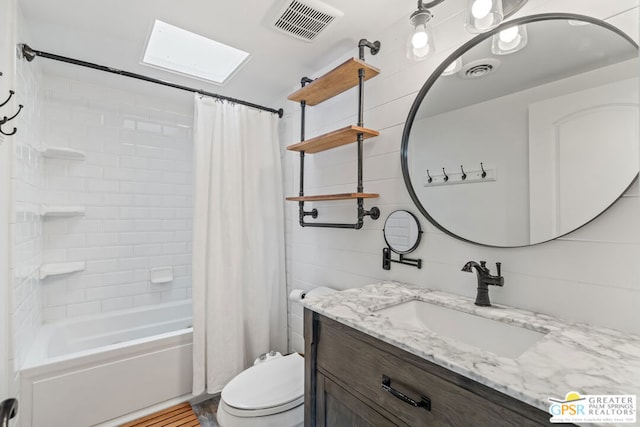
(344, 375)
(338, 407)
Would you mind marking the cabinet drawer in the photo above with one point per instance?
(361, 366)
(339, 408)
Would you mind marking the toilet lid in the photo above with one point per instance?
(267, 385)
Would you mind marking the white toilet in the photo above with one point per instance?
(268, 394)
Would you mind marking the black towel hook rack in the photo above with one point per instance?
(6, 119)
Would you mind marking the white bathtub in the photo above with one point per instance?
(93, 370)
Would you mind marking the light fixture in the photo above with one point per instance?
(509, 40)
(420, 42)
(483, 15)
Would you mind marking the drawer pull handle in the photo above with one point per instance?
(424, 402)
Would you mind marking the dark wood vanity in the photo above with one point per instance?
(345, 370)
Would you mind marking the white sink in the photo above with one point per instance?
(491, 335)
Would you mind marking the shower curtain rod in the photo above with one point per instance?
(30, 54)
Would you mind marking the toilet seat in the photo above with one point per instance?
(254, 413)
(294, 417)
(267, 388)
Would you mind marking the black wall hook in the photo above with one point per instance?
(446, 177)
(8, 119)
(484, 173)
(5, 119)
(430, 180)
(5, 133)
(11, 93)
(464, 175)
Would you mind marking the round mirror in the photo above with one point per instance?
(402, 232)
(527, 132)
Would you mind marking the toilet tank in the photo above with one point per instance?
(296, 319)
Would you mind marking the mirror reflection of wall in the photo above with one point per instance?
(557, 121)
(568, 132)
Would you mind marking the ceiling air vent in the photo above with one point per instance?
(479, 68)
(305, 19)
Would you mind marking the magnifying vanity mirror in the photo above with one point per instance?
(402, 234)
(517, 142)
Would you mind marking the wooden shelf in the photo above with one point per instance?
(347, 75)
(333, 139)
(336, 81)
(342, 196)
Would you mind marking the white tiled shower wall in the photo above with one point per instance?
(590, 275)
(26, 223)
(136, 184)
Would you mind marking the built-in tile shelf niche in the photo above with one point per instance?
(59, 268)
(62, 211)
(161, 275)
(62, 153)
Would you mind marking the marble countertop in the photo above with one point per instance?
(570, 357)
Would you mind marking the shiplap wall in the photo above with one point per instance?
(590, 275)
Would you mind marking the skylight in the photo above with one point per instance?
(175, 49)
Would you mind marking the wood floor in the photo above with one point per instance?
(176, 416)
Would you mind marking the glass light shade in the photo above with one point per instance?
(576, 23)
(483, 15)
(509, 40)
(420, 42)
(453, 68)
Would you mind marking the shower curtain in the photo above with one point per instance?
(239, 294)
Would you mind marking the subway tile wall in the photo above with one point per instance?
(26, 223)
(136, 186)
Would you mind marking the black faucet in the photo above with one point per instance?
(485, 278)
